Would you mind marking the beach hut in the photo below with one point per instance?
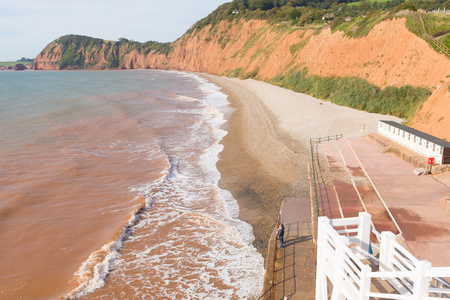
(418, 141)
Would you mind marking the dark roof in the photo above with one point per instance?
(418, 133)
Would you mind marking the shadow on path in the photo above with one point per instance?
(295, 266)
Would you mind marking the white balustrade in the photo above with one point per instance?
(343, 260)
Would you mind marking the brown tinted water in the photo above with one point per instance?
(113, 195)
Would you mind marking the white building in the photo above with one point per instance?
(418, 141)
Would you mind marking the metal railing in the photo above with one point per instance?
(315, 164)
(344, 244)
(269, 294)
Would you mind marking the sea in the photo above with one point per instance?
(109, 189)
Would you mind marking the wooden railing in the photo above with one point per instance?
(432, 40)
(438, 44)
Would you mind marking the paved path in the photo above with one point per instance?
(295, 266)
(416, 202)
(358, 195)
(377, 181)
(444, 178)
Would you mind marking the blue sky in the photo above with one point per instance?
(27, 26)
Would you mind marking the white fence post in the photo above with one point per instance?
(421, 282)
(386, 250)
(364, 234)
(336, 263)
(364, 287)
(321, 278)
(339, 271)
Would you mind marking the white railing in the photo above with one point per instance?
(343, 260)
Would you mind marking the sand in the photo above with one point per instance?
(266, 151)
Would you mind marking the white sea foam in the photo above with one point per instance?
(92, 273)
(195, 247)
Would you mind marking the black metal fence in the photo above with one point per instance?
(315, 164)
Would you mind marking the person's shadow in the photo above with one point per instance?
(296, 234)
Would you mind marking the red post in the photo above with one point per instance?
(431, 162)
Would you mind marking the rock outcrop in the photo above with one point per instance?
(20, 67)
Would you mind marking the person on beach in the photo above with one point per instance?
(280, 234)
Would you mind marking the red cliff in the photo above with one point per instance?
(389, 55)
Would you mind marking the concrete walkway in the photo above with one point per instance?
(381, 184)
(353, 190)
(416, 202)
(295, 265)
(443, 178)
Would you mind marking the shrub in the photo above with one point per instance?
(403, 102)
(235, 73)
(408, 5)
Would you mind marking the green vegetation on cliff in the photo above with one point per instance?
(438, 25)
(72, 49)
(303, 12)
(403, 102)
(82, 52)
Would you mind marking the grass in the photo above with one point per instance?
(235, 73)
(414, 25)
(368, 1)
(359, 26)
(403, 102)
(296, 47)
(446, 40)
(252, 41)
(12, 63)
(436, 23)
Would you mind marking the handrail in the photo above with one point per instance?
(313, 142)
(432, 39)
(438, 44)
(270, 290)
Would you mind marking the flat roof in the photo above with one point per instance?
(418, 133)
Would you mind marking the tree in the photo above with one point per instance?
(261, 4)
(23, 59)
(293, 13)
(363, 7)
(407, 5)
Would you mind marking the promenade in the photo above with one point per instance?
(411, 206)
(354, 177)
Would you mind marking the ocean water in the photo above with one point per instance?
(109, 190)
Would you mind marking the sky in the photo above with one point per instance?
(27, 26)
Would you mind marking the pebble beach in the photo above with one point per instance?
(267, 152)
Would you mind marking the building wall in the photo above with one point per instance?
(413, 142)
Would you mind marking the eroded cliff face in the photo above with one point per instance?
(434, 117)
(389, 56)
